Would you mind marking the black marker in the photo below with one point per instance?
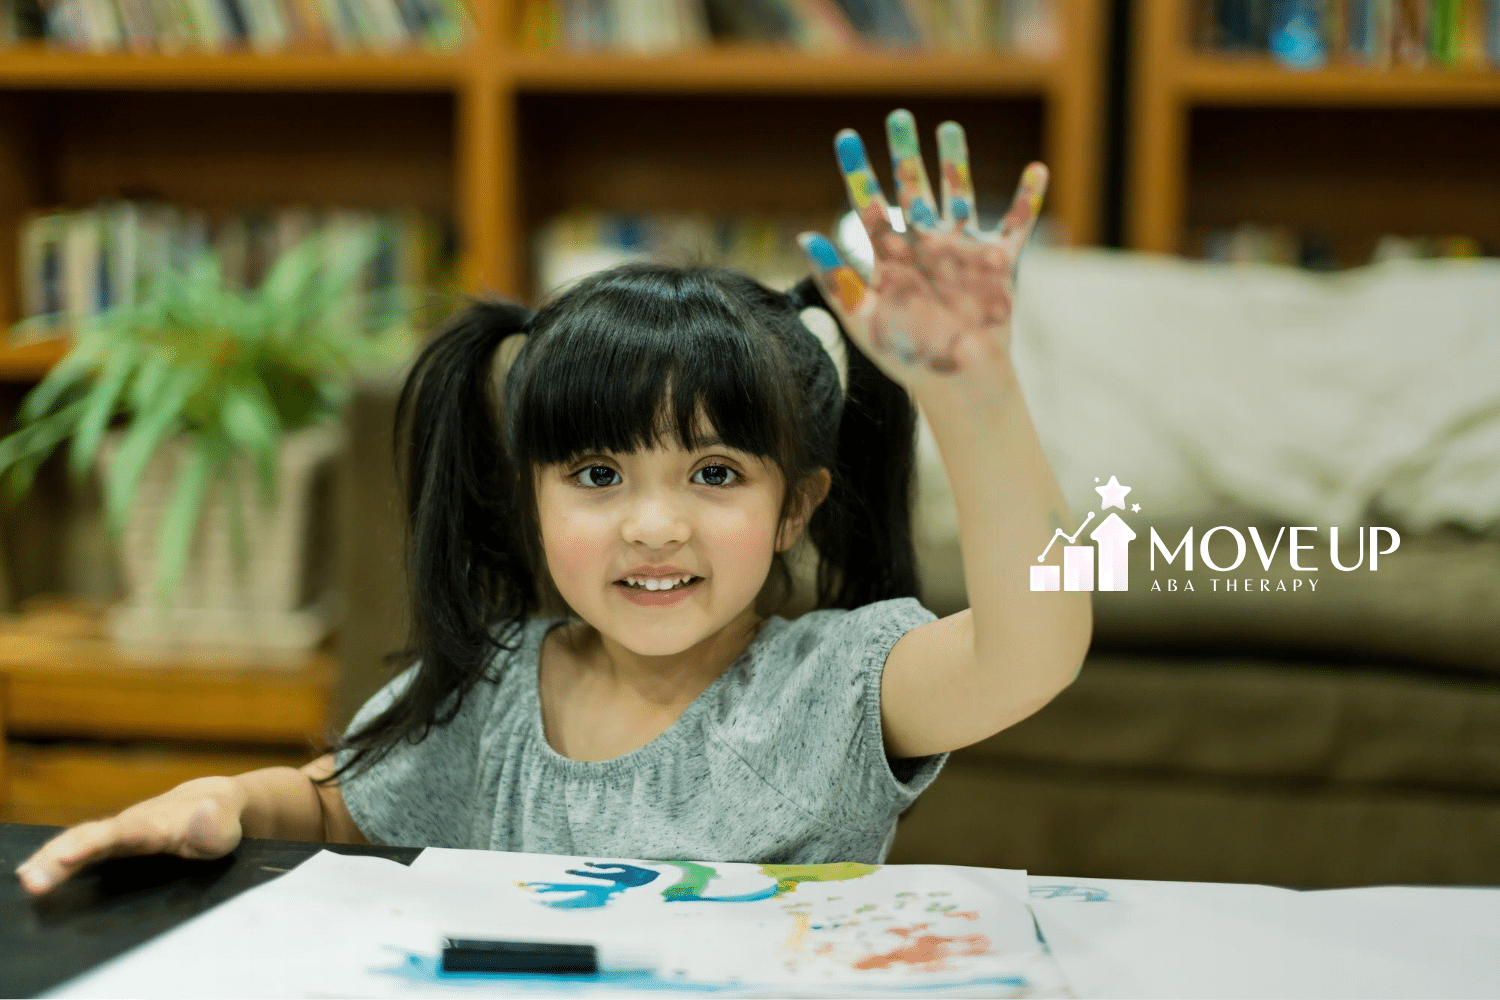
(545, 957)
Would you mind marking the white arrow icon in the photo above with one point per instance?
(1113, 538)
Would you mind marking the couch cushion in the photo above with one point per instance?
(1102, 825)
(1303, 725)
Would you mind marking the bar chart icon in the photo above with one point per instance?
(1077, 569)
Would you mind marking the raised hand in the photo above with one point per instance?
(939, 301)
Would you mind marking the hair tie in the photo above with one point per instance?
(804, 295)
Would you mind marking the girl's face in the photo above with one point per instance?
(661, 515)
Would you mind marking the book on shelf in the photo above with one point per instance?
(582, 241)
(214, 25)
(1306, 34)
(78, 264)
(1030, 27)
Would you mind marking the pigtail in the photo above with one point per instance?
(863, 530)
(467, 566)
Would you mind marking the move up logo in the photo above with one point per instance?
(1110, 555)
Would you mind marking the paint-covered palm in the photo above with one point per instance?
(939, 300)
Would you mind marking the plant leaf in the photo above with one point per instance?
(149, 378)
(142, 439)
(102, 400)
(252, 426)
(67, 373)
(184, 511)
(23, 452)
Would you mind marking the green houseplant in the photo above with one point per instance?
(205, 384)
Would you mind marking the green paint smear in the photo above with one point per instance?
(951, 141)
(902, 133)
(695, 878)
(788, 876)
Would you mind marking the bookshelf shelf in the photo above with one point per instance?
(750, 70)
(1347, 152)
(1207, 80)
(32, 67)
(30, 362)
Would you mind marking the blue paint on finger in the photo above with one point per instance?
(851, 153)
(822, 252)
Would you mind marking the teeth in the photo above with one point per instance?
(652, 583)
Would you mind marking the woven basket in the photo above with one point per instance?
(280, 601)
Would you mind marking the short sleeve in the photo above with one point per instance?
(419, 794)
(878, 777)
(810, 727)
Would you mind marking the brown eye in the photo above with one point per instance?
(717, 475)
(595, 476)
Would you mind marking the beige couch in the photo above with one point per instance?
(1340, 737)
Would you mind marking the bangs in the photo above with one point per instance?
(651, 359)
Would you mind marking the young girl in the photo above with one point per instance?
(662, 439)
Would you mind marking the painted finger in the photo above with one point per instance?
(959, 210)
(864, 190)
(1025, 208)
(842, 286)
(912, 187)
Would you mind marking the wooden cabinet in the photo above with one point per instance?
(88, 731)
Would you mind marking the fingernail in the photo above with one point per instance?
(35, 879)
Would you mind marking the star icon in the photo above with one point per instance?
(1135, 508)
(1113, 494)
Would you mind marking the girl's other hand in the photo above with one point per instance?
(197, 819)
(940, 297)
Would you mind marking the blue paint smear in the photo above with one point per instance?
(750, 897)
(851, 153)
(1082, 893)
(822, 251)
(921, 214)
(423, 970)
(592, 895)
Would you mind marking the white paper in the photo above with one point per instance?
(1123, 938)
(340, 926)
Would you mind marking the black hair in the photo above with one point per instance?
(622, 360)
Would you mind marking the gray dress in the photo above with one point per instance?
(779, 760)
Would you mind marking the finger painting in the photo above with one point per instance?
(958, 185)
(847, 286)
(912, 187)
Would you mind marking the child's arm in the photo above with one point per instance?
(203, 818)
(936, 319)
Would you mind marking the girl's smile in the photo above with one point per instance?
(662, 597)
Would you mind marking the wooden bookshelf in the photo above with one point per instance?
(1346, 150)
(466, 116)
(31, 361)
(500, 140)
